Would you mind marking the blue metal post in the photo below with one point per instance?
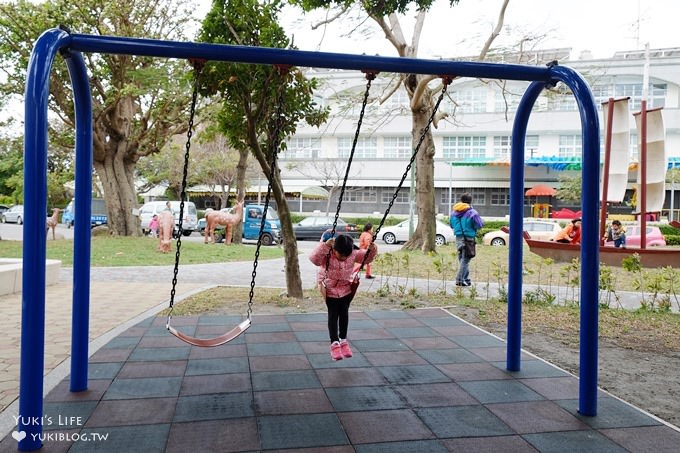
(34, 253)
(37, 90)
(515, 251)
(590, 238)
(80, 320)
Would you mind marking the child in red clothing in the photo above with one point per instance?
(334, 280)
(571, 234)
(365, 240)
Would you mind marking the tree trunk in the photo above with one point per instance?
(114, 160)
(241, 168)
(424, 236)
(290, 250)
(119, 196)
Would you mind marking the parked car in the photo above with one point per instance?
(313, 227)
(654, 237)
(189, 222)
(15, 214)
(252, 221)
(542, 230)
(98, 213)
(3, 208)
(399, 233)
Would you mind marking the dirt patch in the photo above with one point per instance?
(649, 379)
(639, 354)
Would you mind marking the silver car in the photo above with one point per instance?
(15, 214)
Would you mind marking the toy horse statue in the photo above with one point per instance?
(52, 222)
(226, 219)
(166, 225)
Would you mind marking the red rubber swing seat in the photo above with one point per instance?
(211, 342)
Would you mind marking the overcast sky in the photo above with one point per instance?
(601, 26)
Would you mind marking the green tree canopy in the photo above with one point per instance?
(11, 170)
(261, 105)
(138, 102)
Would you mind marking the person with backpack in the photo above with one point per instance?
(465, 221)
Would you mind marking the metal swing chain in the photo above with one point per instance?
(446, 81)
(370, 76)
(198, 67)
(278, 126)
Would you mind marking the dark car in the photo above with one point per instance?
(313, 227)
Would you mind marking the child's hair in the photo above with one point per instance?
(343, 245)
(616, 222)
(368, 227)
(466, 198)
(576, 220)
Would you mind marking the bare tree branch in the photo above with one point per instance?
(392, 33)
(385, 96)
(496, 31)
(420, 89)
(417, 30)
(331, 19)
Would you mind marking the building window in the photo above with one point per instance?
(505, 100)
(530, 146)
(402, 196)
(367, 147)
(368, 195)
(570, 146)
(500, 197)
(397, 147)
(478, 195)
(601, 93)
(302, 148)
(655, 98)
(501, 146)
(464, 147)
(471, 100)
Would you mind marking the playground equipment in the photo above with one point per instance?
(70, 46)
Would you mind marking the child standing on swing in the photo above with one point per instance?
(335, 276)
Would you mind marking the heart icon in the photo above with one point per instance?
(19, 435)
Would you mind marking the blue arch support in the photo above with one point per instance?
(590, 195)
(55, 41)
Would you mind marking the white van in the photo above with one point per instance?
(189, 222)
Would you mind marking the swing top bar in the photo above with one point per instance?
(262, 55)
(36, 98)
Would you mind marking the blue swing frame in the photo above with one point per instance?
(70, 46)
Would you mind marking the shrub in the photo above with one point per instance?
(672, 239)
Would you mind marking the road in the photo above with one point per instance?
(270, 272)
(14, 232)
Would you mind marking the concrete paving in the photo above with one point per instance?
(123, 328)
(419, 380)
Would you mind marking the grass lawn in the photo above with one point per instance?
(489, 266)
(142, 251)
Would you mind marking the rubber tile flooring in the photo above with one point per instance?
(419, 381)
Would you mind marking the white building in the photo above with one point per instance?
(475, 137)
